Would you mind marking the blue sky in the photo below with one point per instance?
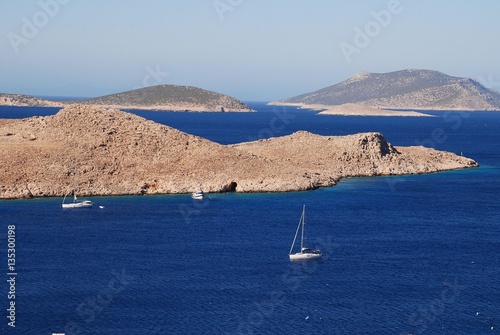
(250, 49)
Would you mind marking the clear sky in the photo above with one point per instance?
(256, 50)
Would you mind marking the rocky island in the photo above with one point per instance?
(159, 97)
(172, 98)
(393, 93)
(118, 153)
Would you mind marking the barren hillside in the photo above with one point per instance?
(406, 89)
(116, 152)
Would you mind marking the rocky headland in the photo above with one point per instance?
(400, 90)
(118, 153)
(22, 100)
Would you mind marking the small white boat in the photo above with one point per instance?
(198, 195)
(304, 253)
(76, 203)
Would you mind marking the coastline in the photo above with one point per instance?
(158, 108)
(249, 192)
(257, 190)
(361, 110)
(119, 153)
(351, 110)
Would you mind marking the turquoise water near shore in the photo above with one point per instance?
(403, 254)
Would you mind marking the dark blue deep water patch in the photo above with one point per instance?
(403, 254)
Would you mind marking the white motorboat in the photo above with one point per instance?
(198, 195)
(304, 253)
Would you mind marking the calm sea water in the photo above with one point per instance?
(407, 254)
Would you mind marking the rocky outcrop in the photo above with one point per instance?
(406, 89)
(326, 159)
(120, 153)
(26, 100)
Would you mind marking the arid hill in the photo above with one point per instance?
(117, 153)
(160, 97)
(171, 97)
(406, 89)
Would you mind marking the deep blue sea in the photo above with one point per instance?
(402, 255)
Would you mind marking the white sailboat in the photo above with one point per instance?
(304, 253)
(76, 203)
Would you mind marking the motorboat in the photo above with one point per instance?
(198, 195)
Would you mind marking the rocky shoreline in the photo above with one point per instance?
(350, 109)
(118, 153)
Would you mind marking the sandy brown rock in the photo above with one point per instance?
(327, 158)
(120, 153)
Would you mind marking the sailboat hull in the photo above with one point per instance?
(305, 256)
(76, 203)
(82, 204)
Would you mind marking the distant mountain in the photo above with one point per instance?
(406, 89)
(161, 97)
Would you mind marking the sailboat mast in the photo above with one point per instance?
(296, 234)
(303, 218)
(74, 185)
